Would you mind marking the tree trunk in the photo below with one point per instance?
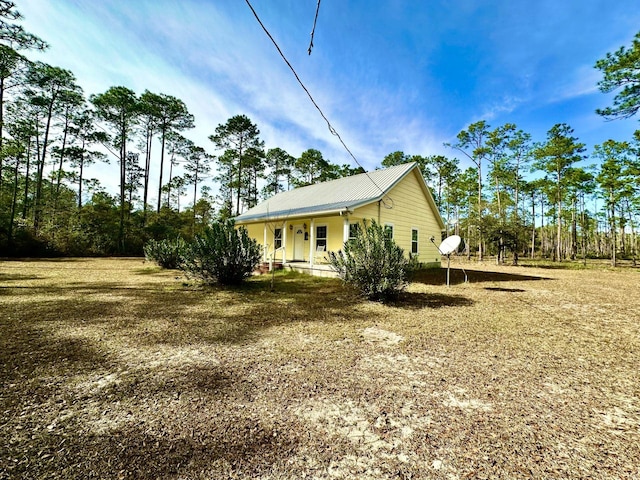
(479, 211)
(498, 198)
(41, 162)
(622, 223)
(169, 182)
(599, 239)
(147, 167)
(81, 174)
(448, 209)
(61, 160)
(195, 196)
(255, 187)
(558, 254)
(612, 221)
(583, 227)
(26, 182)
(543, 236)
(239, 177)
(161, 168)
(2, 127)
(533, 228)
(123, 180)
(14, 200)
(633, 234)
(574, 229)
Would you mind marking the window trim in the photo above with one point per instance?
(415, 242)
(392, 227)
(325, 238)
(357, 228)
(277, 238)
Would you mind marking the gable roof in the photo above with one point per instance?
(334, 196)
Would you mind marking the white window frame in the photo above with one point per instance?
(325, 238)
(358, 227)
(390, 225)
(416, 241)
(276, 238)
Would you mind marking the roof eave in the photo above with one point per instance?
(280, 216)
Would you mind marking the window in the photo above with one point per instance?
(354, 229)
(414, 241)
(321, 238)
(277, 238)
(388, 230)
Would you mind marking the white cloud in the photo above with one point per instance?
(220, 68)
(583, 81)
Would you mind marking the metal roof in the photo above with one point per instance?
(329, 197)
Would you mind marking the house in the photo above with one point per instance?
(298, 227)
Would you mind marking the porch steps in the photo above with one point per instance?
(264, 267)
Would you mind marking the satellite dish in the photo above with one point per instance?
(450, 245)
(447, 247)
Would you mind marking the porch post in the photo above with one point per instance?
(265, 253)
(284, 241)
(345, 230)
(312, 241)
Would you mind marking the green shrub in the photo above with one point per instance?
(222, 254)
(373, 263)
(166, 253)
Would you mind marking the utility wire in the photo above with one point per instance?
(331, 129)
(313, 31)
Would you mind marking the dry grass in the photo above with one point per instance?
(115, 369)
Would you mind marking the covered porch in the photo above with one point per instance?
(302, 244)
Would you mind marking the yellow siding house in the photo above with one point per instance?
(298, 227)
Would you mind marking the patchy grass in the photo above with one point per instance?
(115, 369)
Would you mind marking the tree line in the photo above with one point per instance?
(534, 199)
(520, 197)
(52, 132)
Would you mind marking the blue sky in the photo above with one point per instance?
(390, 75)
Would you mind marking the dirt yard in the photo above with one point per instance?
(112, 368)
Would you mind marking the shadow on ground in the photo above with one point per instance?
(418, 301)
(54, 360)
(178, 312)
(501, 289)
(458, 276)
(14, 277)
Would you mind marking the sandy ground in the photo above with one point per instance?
(112, 368)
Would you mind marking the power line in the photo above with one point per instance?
(313, 31)
(331, 129)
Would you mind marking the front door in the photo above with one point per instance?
(298, 243)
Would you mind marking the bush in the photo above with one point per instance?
(166, 253)
(373, 263)
(222, 254)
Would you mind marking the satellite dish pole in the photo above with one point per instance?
(447, 247)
